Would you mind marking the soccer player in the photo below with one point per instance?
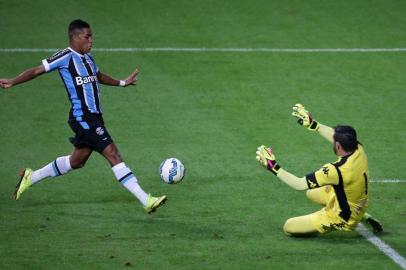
(341, 187)
(82, 78)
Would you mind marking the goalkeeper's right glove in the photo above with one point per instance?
(304, 117)
(267, 159)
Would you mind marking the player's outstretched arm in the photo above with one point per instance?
(266, 158)
(108, 80)
(27, 75)
(305, 119)
(326, 131)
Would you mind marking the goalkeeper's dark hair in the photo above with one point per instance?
(347, 137)
(76, 25)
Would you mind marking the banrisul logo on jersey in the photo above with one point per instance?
(84, 80)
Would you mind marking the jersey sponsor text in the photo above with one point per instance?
(85, 79)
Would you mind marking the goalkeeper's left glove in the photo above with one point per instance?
(267, 159)
(304, 117)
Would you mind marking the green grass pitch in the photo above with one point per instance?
(211, 110)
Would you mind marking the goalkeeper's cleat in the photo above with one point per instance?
(375, 224)
(24, 183)
(304, 117)
(153, 203)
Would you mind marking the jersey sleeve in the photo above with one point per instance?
(326, 175)
(56, 61)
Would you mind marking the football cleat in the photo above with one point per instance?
(24, 183)
(153, 203)
(375, 224)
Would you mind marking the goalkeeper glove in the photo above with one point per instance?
(267, 159)
(304, 117)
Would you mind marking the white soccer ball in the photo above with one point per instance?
(171, 171)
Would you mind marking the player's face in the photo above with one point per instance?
(84, 40)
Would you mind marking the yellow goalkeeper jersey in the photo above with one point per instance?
(348, 176)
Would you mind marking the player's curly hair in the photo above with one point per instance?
(346, 136)
(76, 25)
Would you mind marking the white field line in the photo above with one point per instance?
(170, 49)
(382, 246)
(385, 248)
(394, 181)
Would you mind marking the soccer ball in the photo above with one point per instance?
(171, 171)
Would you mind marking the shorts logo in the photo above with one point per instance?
(100, 131)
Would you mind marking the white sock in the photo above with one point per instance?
(59, 166)
(129, 181)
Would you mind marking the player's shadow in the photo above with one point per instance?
(130, 216)
(81, 201)
(104, 210)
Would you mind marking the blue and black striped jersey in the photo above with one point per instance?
(79, 74)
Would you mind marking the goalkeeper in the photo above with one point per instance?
(341, 187)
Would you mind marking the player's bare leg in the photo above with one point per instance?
(79, 157)
(112, 154)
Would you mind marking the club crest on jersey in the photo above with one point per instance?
(99, 131)
(85, 79)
